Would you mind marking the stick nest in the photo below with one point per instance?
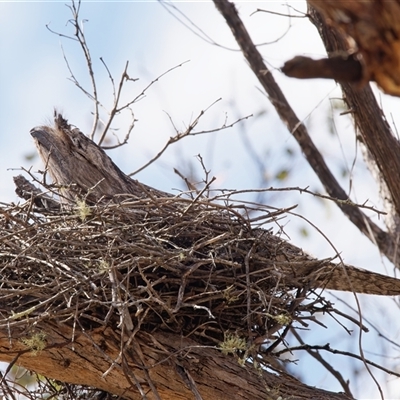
(194, 267)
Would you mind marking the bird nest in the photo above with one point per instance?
(203, 269)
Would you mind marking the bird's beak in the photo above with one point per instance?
(41, 137)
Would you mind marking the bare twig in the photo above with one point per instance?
(188, 132)
(117, 108)
(327, 347)
(299, 132)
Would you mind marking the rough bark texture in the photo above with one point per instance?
(80, 168)
(382, 147)
(386, 243)
(373, 32)
(135, 367)
(193, 372)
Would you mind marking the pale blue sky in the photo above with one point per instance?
(34, 77)
(33, 80)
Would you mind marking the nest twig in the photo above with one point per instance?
(195, 268)
(115, 253)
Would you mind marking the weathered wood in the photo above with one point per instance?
(27, 191)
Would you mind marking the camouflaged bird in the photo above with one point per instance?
(82, 168)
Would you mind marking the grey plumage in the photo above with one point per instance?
(84, 169)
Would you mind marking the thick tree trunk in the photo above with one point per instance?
(94, 358)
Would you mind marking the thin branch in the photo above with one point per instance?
(299, 131)
(304, 190)
(181, 135)
(117, 95)
(141, 95)
(327, 347)
(190, 25)
(79, 34)
(259, 10)
(315, 354)
(81, 39)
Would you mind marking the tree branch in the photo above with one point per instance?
(383, 148)
(299, 131)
